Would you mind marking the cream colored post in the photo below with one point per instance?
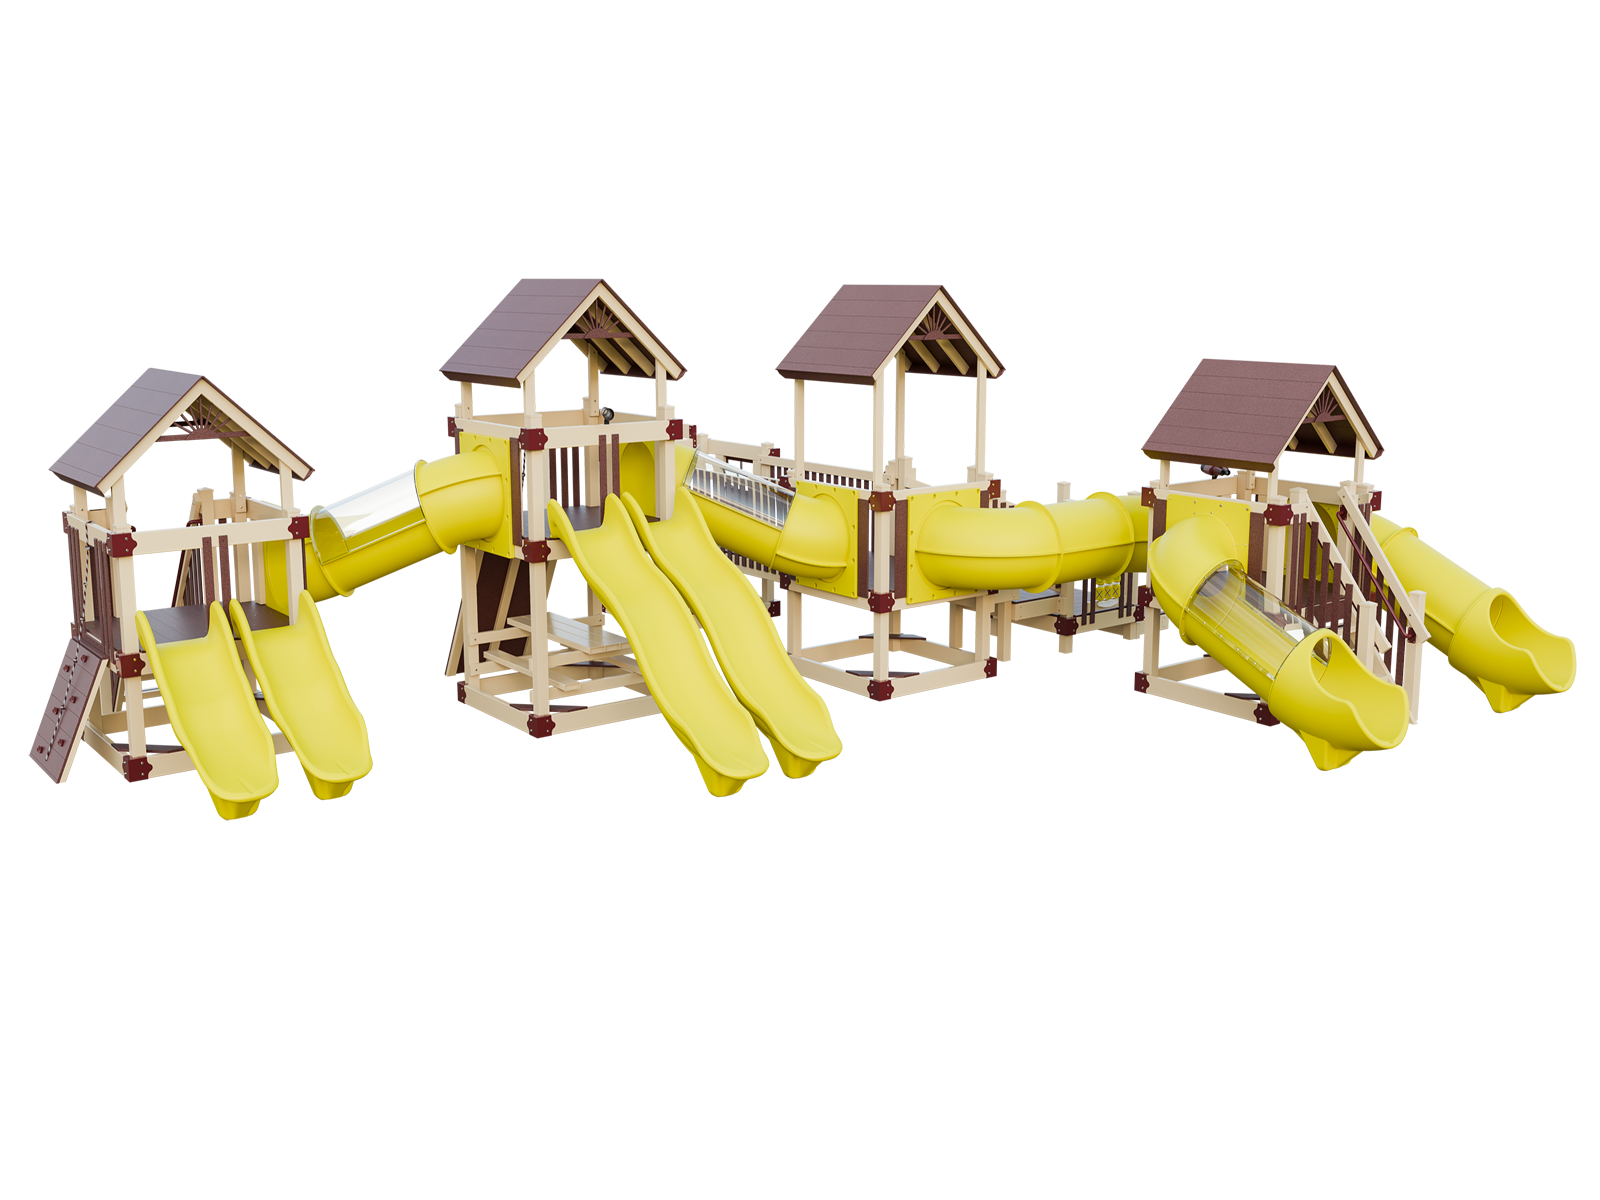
(1272, 481)
(294, 548)
(980, 634)
(1166, 473)
(80, 509)
(793, 608)
(1361, 460)
(882, 539)
(464, 410)
(240, 506)
(537, 492)
(1413, 683)
(591, 416)
(471, 562)
(530, 402)
(799, 430)
(666, 451)
(956, 620)
(1367, 634)
(983, 417)
(900, 412)
(1152, 640)
(1063, 492)
(125, 601)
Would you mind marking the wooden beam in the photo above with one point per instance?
(1328, 444)
(949, 347)
(922, 349)
(617, 360)
(627, 346)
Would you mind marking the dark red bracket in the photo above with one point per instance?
(531, 440)
(694, 435)
(784, 580)
(1147, 497)
(535, 551)
(1264, 715)
(450, 429)
(1377, 501)
(675, 429)
(135, 770)
(775, 453)
(120, 545)
(1279, 514)
(1067, 626)
(541, 726)
(882, 501)
(880, 602)
(129, 666)
(461, 692)
(994, 489)
(1146, 596)
(1141, 682)
(775, 608)
(991, 668)
(880, 689)
(299, 527)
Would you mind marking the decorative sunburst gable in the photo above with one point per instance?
(1333, 425)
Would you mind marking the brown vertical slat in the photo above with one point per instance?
(1258, 542)
(565, 471)
(902, 538)
(1388, 655)
(616, 463)
(553, 472)
(1158, 518)
(208, 570)
(1400, 660)
(863, 530)
(75, 565)
(602, 461)
(222, 561)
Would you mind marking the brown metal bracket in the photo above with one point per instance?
(1067, 626)
(135, 770)
(1377, 501)
(120, 545)
(694, 435)
(1264, 715)
(461, 692)
(530, 440)
(880, 689)
(1147, 595)
(450, 428)
(541, 726)
(675, 429)
(129, 666)
(880, 602)
(994, 489)
(775, 608)
(1141, 682)
(1279, 514)
(882, 502)
(991, 668)
(784, 580)
(1147, 497)
(775, 453)
(300, 527)
(535, 552)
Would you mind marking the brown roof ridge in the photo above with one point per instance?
(865, 324)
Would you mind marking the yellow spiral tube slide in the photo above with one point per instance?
(1032, 546)
(1482, 629)
(1309, 679)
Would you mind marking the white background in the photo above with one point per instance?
(290, 1010)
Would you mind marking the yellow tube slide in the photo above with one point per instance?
(1308, 678)
(667, 644)
(1032, 546)
(814, 541)
(1483, 630)
(213, 713)
(430, 509)
(307, 697)
(752, 656)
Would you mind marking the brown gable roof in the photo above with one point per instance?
(1245, 414)
(539, 312)
(861, 327)
(110, 446)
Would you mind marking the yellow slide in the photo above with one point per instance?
(1483, 630)
(672, 656)
(213, 713)
(1309, 679)
(306, 695)
(752, 656)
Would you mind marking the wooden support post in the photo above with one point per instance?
(795, 643)
(768, 588)
(591, 416)
(1002, 630)
(240, 506)
(471, 563)
(983, 417)
(980, 634)
(125, 602)
(1166, 473)
(956, 620)
(799, 431)
(537, 485)
(1413, 672)
(1063, 492)
(877, 429)
(464, 409)
(900, 416)
(1361, 460)
(1152, 640)
(294, 548)
(666, 451)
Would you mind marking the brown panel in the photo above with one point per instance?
(1258, 545)
(902, 538)
(1158, 519)
(491, 582)
(67, 710)
(863, 532)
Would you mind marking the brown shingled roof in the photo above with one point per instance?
(865, 325)
(143, 413)
(537, 313)
(1245, 414)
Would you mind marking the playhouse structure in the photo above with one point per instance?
(1316, 605)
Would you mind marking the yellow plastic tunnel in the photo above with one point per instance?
(430, 509)
(1309, 679)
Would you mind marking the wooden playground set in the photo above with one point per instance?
(1293, 620)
